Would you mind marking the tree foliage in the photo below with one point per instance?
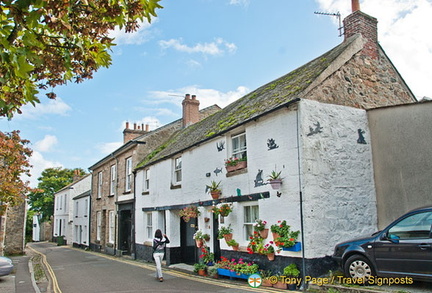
(45, 43)
(50, 182)
(14, 162)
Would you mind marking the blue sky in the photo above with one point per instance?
(218, 50)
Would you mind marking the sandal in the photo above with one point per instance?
(161, 279)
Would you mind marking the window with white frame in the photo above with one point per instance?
(99, 185)
(98, 225)
(85, 208)
(128, 182)
(251, 214)
(111, 220)
(65, 202)
(113, 180)
(146, 184)
(76, 209)
(61, 201)
(149, 225)
(177, 170)
(239, 146)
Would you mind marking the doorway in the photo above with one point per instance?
(189, 251)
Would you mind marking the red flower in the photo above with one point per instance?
(291, 239)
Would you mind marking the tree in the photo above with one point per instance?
(45, 43)
(50, 181)
(14, 162)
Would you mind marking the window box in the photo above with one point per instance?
(296, 247)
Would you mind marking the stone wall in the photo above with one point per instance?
(15, 230)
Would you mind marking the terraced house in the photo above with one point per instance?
(311, 126)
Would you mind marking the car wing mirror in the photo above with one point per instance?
(391, 237)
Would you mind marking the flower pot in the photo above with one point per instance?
(241, 165)
(280, 285)
(295, 247)
(271, 256)
(266, 283)
(228, 237)
(264, 233)
(202, 272)
(215, 194)
(276, 184)
(231, 168)
(235, 248)
(199, 243)
(275, 235)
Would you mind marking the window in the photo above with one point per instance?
(149, 225)
(146, 185)
(239, 146)
(413, 227)
(85, 208)
(128, 185)
(111, 219)
(177, 170)
(113, 180)
(251, 214)
(99, 185)
(76, 209)
(98, 225)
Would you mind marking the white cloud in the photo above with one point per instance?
(403, 32)
(56, 107)
(39, 164)
(108, 147)
(46, 144)
(142, 35)
(218, 47)
(240, 2)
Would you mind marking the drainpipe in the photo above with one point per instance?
(116, 214)
(301, 201)
(133, 217)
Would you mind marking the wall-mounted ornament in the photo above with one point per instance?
(315, 130)
(258, 179)
(361, 138)
(217, 171)
(220, 146)
(271, 144)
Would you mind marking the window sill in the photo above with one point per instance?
(236, 172)
(111, 195)
(175, 186)
(98, 198)
(127, 192)
(145, 192)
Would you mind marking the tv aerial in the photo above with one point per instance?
(337, 14)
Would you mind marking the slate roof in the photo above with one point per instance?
(269, 97)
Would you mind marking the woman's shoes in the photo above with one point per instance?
(160, 279)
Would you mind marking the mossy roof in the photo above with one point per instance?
(261, 101)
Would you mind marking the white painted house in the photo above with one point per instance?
(311, 125)
(65, 207)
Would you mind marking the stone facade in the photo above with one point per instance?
(14, 228)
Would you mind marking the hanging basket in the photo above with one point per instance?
(276, 184)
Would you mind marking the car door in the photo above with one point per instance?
(405, 247)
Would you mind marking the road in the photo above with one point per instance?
(76, 270)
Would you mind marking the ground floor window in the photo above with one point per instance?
(251, 214)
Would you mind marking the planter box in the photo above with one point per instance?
(228, 273)
(224, 272)
(296, 247)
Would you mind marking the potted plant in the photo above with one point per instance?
(256, 243)
(290, 272)
(223, 210)
(265, 275)
(189, 212)
(260, 227)
(234, 163)
(285, 238)
(214, 189)
(212, 272)
(200, 269)
(268, 250)
(206, 256)
(200, 237)
(225, 232)
(234, 244)
(275, 179)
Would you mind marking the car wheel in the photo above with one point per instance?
(358, 267)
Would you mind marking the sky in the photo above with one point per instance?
(218, 50)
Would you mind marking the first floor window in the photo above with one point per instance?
(99, 185)
(113, 180)
(251, 214)
(149, 225)
(177, 170)
(239, 146)
(146, 185)
(111, 219)
(128, 183)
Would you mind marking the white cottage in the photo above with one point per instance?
(310, 125)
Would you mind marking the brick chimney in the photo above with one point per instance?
(76, 175)
(190, 110)
(361, 23)
(129, 134)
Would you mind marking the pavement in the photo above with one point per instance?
(22, 280)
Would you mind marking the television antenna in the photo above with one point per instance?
(337, 14)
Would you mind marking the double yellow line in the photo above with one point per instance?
(52, 277)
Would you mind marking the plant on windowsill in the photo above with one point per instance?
(189, 212)
(214, 189)
(283, 236)
(275, 180)
(234, 244)
(233, 163)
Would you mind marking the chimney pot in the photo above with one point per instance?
(187, 96)
(127, 125)
(355, 5)
(147, 127)
(193, 97)
(135, 126)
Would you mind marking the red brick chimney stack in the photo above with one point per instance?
(129, 134)
(361, 23)
(190, 110)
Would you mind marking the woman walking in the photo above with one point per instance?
(159, 242)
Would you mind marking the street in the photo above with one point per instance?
(76, 270)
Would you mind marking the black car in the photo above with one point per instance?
(403, 249)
